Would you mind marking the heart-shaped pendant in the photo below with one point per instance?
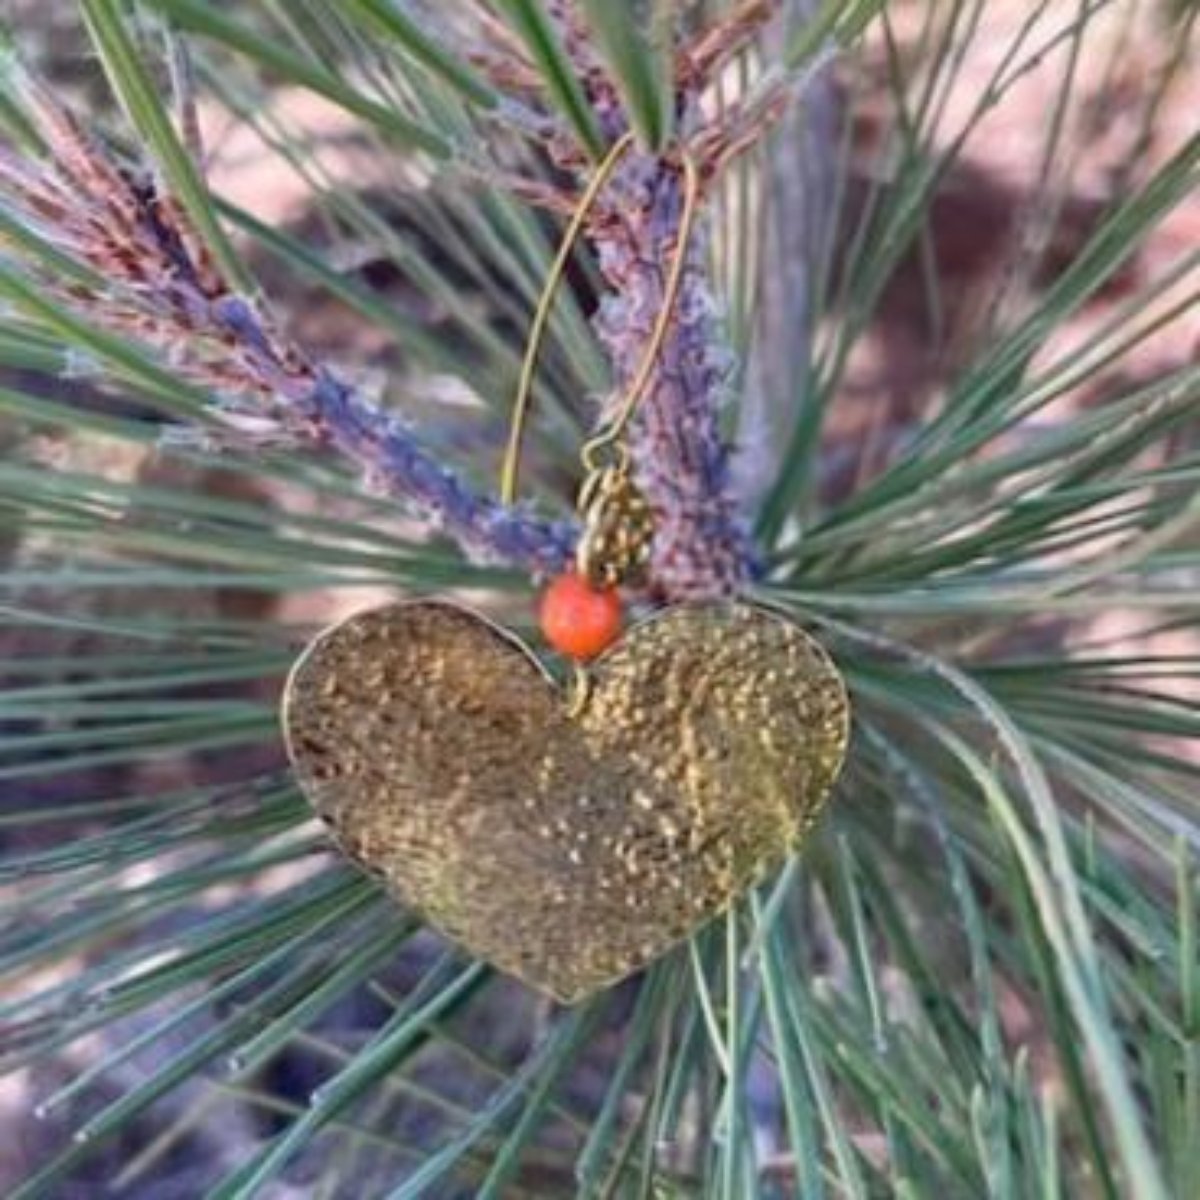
(568, 849)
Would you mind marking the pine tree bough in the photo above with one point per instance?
(701, 546)
(155, 280)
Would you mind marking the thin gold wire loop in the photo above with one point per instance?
(645, 371)
(581, 690)
(611, 435)
(512, 456)
(593, 461)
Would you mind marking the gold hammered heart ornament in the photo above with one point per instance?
(567, 848)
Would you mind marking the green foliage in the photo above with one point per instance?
(1017, 830)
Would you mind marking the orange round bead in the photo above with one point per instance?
(577, 619)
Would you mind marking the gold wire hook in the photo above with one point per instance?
(512, 456)
(581, 690)
(612, 433)
(645, 371)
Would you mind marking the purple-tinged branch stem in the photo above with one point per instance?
(161, 288)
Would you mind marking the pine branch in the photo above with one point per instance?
(164, 287)
(155, 282)
(701, 544)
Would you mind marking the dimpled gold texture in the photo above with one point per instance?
(567, 850)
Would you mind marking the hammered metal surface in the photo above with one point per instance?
(569, 852)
